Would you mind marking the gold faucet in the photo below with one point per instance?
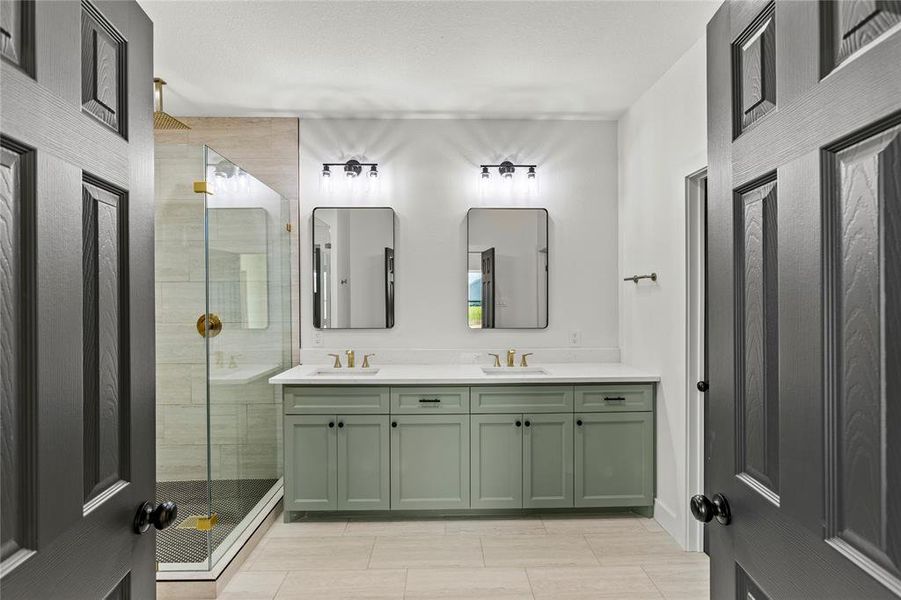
(350, 359)
(365, 364)
(337, 364)
(511, 357)
(497, 359)
(522, 360)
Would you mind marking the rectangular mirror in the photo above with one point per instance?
(238, 272)
(353, 268)
(508, 268)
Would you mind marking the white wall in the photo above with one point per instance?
(662, 139)
(430, 176)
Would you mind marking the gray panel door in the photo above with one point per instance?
(804, 287)
(76, 205)
(363, 463)
(547, 462)
(496, 461)
(614, 459)
(311, 462)
(429, 461)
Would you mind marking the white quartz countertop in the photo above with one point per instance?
(464, 375)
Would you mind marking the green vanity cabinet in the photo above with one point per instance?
(614, 459)
(336, 462)
(363, 462)
(547, 460)
(429, 461)
(522, 460)
(496, 461)
(311, 462)
(445, 447)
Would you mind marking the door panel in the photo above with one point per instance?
(429, 461)
(496, 461)
(311, 462)
(547, 460)
(363, 462)
(80, 191)
(614, 459)
(802, 285)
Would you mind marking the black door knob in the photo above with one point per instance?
(331, 423)
(519, 423)
(528, 423)
(340, 423)
(579, 422)
(394, 423)
(160, 516)
(703, 386)
(706, 509)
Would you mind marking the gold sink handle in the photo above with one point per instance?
(522, 359)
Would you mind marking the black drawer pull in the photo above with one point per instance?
(429, 400)
(615, 399)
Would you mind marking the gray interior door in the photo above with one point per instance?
(488, 264)
(76, 249)
(804, 207)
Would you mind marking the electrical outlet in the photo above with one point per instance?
(575, 337)
(317, 338)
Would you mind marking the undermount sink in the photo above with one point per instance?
(513, 371)
(345, 372)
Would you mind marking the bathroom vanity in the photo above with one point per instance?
(465, 438)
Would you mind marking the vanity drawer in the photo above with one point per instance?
(344, 400)
(615, 397)
(429, 400)
(522, 398)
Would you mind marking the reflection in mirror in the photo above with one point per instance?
(353, 268)
(508, 268)
(239, 280)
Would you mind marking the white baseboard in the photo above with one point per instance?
(670, 522)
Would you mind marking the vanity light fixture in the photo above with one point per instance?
(352, 168)
(507, 170)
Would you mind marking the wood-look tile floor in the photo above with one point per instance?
(617, 556)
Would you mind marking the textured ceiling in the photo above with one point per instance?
(519, 59)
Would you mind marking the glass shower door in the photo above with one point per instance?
(247, 287)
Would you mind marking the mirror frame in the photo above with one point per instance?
(547, 283)
(393, 318)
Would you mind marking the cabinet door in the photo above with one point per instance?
(429, 461)
(547, 450)
(363, 481)
(496, 461)
(311, 463)
(614, 459)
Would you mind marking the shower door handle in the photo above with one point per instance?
(160, 516)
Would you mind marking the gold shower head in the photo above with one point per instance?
(161, 119)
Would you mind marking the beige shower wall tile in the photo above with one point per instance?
(173, 384)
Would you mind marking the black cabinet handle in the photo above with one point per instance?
(429, 400)
(579, 422)
(528, 423)
(340, 423)
(394, 423)
(614, 399)
(519, 423)
(331, 424)
(703, 386)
